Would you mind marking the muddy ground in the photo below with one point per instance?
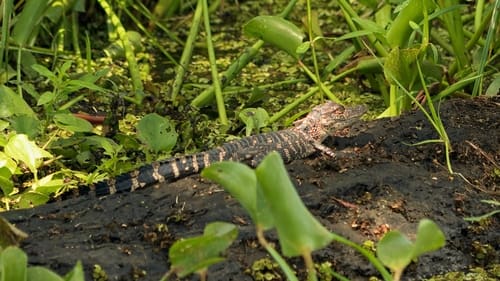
(378, 183)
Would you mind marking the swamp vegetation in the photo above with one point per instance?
(92, 89)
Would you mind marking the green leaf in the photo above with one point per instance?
(31, 199)
(13, 264)
(197, 253)
(482, 217)
(276, 31)
(157, 132)
(110, 147)
(240, 181)
(494, 87)
(26, 124)
(303, 48)
(254, 118)
(76, 274)
(28, 21)
(47, 185)
(369, 25)
(429, 238)
(46, 97)
(38, 273)
(42, 70)
(6, 184)
(400, 30)
(7, 169)
(299, 232)
(72, 123)
(8, 163)
(22, 149)
(12, 104)
(80, 84)
(395, 250)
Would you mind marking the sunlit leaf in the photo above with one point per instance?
(76, 274)
(276, 31)
(299, 232)
(40, 273)
(13, 264)
(429, 237)
(239, 180)
(395, 250)
(22, 149)
(47, 185)
(400, 30)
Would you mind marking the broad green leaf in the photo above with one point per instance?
(28, 21)
(299, 232)
(239, 180)
(9, 235)
(395, 250)
(12, 104)
(72, 123)
(429, 238)
(383, 15)
(157, 132)
(31, 199)
(39, 273)
(13, 264)
(22, 149)
(400, 30)
(26, 124)
(254, 118)
(194, 254)
(276, 31)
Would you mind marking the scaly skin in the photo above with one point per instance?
(300, 141)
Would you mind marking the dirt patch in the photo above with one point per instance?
(378, 182)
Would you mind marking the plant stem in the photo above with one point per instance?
(235, 68)
(311, 271)
(186, 53)
(129, 53)
(221, 108)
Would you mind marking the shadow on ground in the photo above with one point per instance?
(377, 183)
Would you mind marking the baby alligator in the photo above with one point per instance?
(299, 141)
